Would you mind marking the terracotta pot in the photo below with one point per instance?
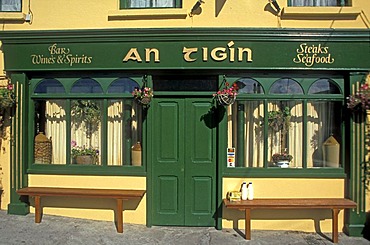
(87, 159)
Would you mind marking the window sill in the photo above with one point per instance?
(321, 12)
(133, 14)
(12, 16)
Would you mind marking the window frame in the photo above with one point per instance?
(75, 169)
(123, 5)
(341, 3)
(304, 172)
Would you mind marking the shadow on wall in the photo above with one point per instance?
(366, 230)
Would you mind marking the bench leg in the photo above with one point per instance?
(119, 215)
(335, 213)
(247, 224)
(38, 209)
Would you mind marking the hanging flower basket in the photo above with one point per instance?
(145, 100)
(227, 96)
(360, 101)
(143, 96)
(226, 99)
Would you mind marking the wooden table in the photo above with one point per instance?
(119, 195)
(335, 204)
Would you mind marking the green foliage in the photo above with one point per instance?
(87, 111)
(83, 151)
(279, 120)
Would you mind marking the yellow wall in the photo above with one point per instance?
(302, 220)
(91, 208)
(213, 13)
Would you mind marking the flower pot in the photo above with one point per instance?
(226, 99)
(87, 159)
(282, 164)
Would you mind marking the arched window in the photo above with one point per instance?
(249, 86)
(123, 85)
(86, 85)
(49, 85)
(286, 86)
(324, 86)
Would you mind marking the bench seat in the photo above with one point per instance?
(119, 195)
(335, 204)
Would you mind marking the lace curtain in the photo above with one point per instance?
(151, 3)
(299, 3)
(11, 5)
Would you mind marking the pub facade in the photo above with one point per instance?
(79, 118)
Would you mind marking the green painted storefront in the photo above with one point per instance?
(184, 179)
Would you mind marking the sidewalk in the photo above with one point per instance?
(55, 230)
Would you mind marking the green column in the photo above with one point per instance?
(18, 161)
(127, 105)
(240, 137)
(356, 218)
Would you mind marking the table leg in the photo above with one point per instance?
(335, 213)
(119, 215)
(37, 209)
(248, 224)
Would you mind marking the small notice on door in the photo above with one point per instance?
(231, 157)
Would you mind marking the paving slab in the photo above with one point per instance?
(16, 229)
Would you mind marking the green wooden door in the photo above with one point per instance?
(184, 162)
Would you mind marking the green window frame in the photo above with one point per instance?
(263, 97)
(125, 4)
(99, 94)
(314, 3)
(6, 6)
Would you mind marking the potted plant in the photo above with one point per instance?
(279, 122)
(143, 96)
(7, 101)
(227, 95)
(87, 111)
(282, 159)
(84, 155)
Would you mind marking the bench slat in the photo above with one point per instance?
(81, 192)
(292, 203)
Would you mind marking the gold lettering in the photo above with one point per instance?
(205, 53)
(218, 54)
(154, 51)
(187, 52)
(232, 51)
(132, 54)
(241, 51)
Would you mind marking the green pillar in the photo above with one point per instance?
(18, 160)
(355, 189)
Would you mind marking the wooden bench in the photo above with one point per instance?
(335, 204)
(119, 195)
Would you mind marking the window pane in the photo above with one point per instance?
(11, 5)
(86, 131)
(86, 85)
(285, 134)
(300, 3)
(249, 86)
(124, 133)
(151, 3)
(50, 131)
(324, 86)
(246, 126)
(49, 86)
(324, 134)
(122, 85)
(286, 86)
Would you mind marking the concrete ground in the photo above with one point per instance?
(56, 230)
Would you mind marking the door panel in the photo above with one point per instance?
(168, 170)
(184, 164)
